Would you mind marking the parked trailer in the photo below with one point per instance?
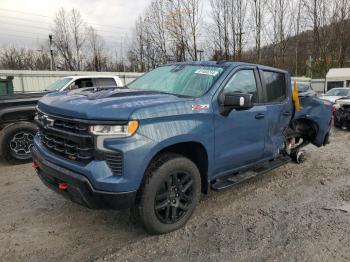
(37, 81)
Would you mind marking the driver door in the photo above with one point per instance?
(240, 136)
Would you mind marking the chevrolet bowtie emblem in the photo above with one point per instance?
(47, 121)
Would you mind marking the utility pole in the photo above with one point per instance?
(51, 54)
(200, 54)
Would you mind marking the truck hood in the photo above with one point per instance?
(117, 104)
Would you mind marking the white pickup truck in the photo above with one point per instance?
(75, 82)
(17, 112)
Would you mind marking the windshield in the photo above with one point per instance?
(59, 84)
(338, 92)
(185, 80)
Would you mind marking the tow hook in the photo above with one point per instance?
(63, 186)
(35, 165)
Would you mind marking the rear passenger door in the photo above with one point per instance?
(279, 104)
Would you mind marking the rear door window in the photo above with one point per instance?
(276, 88)
(84, 82)
(105, 82)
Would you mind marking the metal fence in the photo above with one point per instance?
(35, 81)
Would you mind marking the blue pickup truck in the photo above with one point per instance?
(172, 134)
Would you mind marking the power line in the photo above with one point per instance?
(48, 30)
(25, 19)
(20, 36)
(24, 32)
(98, 30)
(33, 14)
(43, 36)
(24, 25)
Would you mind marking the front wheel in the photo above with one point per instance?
(169, 194)
(16, 141)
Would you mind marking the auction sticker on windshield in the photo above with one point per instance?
(206, 72)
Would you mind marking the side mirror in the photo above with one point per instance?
(238, 101)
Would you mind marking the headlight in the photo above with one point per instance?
(117, 130)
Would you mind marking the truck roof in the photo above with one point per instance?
(93, 76)
(228, 64)
(338, 74)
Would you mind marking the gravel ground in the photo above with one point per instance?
(295, 213)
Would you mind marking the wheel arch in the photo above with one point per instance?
(306, 127)
(193, 150)
(16, 114)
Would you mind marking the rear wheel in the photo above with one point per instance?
(16, 141)
(169, 194)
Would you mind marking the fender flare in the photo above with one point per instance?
(173, 141)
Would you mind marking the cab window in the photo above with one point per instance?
(83, 82)
(106, 82)
(276, 88)
(243, 82)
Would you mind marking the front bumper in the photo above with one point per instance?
(79, 188)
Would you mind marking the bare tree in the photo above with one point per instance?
(341, 21)
(193, 10)
(319, 13)
(69, 37)
(241, 12)
(176, 28)
(77, 29)
(24, 59)
(95, 46)
(257, 9)
(297, 32)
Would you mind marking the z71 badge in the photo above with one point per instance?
(200, 107)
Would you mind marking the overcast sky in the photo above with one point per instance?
(28, 22)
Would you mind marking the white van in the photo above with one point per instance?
(337, 78)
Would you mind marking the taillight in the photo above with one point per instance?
(334, 109)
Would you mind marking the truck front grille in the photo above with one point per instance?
(73, 148)
(64, 124)
(71, 139)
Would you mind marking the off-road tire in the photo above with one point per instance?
(6, 136)
(156, 176)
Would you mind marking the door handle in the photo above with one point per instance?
(259, 116)
(287, 113)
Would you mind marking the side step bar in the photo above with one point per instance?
(233, 180)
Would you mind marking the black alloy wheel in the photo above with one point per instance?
(20, 145)
(169, 193)
(174, 197)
